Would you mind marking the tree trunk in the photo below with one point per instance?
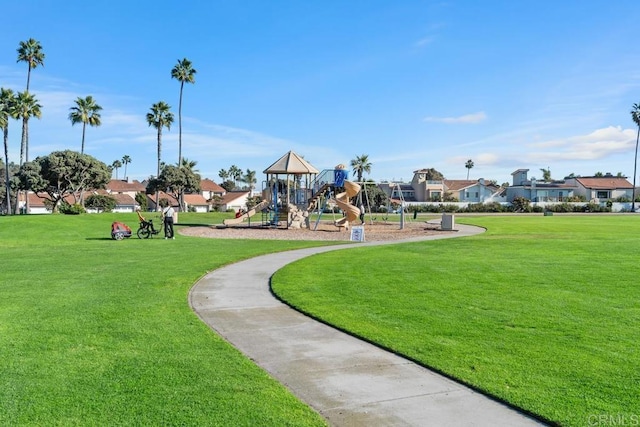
(6, 168)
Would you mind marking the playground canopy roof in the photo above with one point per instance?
(291, 163)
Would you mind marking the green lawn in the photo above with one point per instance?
(99, 332)
(542, 312)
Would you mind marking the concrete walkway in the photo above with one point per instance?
(348, 381)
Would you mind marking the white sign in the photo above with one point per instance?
(357, 233)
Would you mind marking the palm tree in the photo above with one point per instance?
(635, 116)
(7, 110)
(117, 164)
(235, 173)
(469, 165)
(184, 73)
(159, 117)
(546, 174)
(250, 178)
(125, 160)
(86, 112)
(360, 165)
(190, 165)
(31, 53)
(26, 107)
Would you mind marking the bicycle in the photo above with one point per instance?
(146, 228)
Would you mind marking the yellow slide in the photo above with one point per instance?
(260, 206)
(352, 213)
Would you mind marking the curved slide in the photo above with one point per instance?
(352, 213)
(260, 206)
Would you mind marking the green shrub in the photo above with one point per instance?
(75, 209)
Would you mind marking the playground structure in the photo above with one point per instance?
(294, 190)
(247, 215)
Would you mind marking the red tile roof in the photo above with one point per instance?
(208, 185)
(119, 186)
(195, 200)
(605, 182)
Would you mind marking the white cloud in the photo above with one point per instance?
(465, 119)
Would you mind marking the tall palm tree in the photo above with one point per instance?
(160, 117)
(117, 164)
(184, 73)
(635, 116)
(360, 165)
(26, 107)
(7, 111)
(469, 165)
(125, 161)
(189, 164)
(235, 173)
(30, 51)
(250, 178)
(86, 112)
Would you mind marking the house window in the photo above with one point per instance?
(602, 194)
(466, 195)
(477, 194)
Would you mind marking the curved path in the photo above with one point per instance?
(348, 381)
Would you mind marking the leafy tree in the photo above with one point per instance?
(360, 165)
(87, 112)
(7, 111)
(30, 51)
(216, 202)
(184, 73)
(599, 175)
(469, 165)
(125, 161)
(117, 164)
(63, 173)
(635, 116)
(101, 202)
(8, 188)
(160, 117)
(190, 166)
(141, 199)
(375, 195)
(228, 185)
(223, 174)
(175, 181)
(433, 175)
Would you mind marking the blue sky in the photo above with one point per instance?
(414, 84)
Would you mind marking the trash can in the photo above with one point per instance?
(447, 222)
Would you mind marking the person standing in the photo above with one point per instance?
(167, 215)
(362, 211)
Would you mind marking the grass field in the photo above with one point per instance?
(99, 332)
(541, 312)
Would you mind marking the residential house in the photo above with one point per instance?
(599, 189)
(470, 191)
(422, 190)
(151, 201)
(538, 191)
(117, 186)
(234, 200)
(596, 189)
(209, 189)
(196, 203)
